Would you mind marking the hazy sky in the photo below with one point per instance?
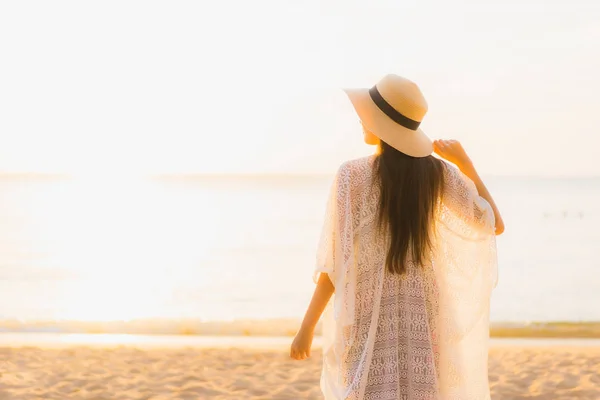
(253, 86)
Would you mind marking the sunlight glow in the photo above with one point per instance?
(99, 231)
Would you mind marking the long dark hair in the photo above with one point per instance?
(409, 192)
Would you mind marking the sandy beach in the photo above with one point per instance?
(76, 371)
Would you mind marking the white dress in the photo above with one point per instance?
(423, 335)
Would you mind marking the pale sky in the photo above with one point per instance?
(130, 87)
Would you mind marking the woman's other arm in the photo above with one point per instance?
(300, 349)
(453, 151)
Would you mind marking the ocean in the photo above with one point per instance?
(234, 254)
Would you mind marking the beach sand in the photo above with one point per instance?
(140, 372)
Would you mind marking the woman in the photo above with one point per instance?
(409, 249)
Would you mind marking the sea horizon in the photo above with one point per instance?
(250, 175)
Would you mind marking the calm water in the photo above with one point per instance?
(223, 249)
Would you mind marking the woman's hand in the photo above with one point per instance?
(453, 151)
(301, 345)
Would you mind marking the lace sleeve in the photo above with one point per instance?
(326, 248)
(337, 231)
(462, 207)
(335, 253)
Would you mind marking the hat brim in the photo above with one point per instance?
(413, 143)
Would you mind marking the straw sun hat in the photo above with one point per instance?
(393, 110)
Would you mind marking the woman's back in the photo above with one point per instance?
(385, 344)
(408, 248)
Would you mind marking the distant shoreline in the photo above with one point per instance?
(272, 328)
(62, 340)
(546, 330)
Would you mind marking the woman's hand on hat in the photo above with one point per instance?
(452, 151)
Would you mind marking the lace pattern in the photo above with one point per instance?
(422, 335)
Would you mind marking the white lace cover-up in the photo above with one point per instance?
(423, 335)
